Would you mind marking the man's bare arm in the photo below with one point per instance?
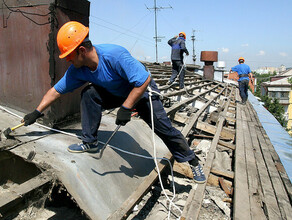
(48, 99)
(135, 94)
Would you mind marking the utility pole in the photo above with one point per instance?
(193, 39)
(157, 39)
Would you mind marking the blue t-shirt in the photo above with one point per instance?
(117, 71)
(241, 69)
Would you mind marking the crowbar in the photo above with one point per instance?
(115, 131)
(104, 146)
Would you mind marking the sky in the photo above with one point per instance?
(258, 30)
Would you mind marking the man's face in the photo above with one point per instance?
(75, 58)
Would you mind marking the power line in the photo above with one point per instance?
(100, 25)
(146, 40)
(138, 39)
(167, 22)
(126, 29)
(25, 14)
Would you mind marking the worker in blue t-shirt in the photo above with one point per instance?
(178, 47)
(116, 80)
(244, 73)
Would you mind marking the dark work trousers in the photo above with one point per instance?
(94, 99)
(178, 67)
(243, 88)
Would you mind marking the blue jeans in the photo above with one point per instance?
(94, 99)
(243, 88)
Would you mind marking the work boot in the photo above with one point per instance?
(199, 176)
(83, 147)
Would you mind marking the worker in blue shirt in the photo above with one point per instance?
(116, 80)
(244, 73)
(178, 48)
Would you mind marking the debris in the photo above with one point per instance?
(228, 191)
(222, 161)
(7, 143)
(136, 208)
(222, 205)
(181, 203)
(204, 146)
(227, 200)
(31, 155)
(183, 168)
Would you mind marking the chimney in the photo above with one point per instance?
(209, 57)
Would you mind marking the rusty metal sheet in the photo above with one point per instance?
(24, 58)
(29, 56)
(209, 56)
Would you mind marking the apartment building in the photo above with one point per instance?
(280, 88)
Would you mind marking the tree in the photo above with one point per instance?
(260, 79)
(275, 108)
(272, 105)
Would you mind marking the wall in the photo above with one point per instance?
(289, 124)
(29, 53)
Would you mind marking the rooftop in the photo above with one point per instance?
(246, 178)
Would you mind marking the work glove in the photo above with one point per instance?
(32, 117)
(123, 116)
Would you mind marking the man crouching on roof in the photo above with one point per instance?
(117, 80)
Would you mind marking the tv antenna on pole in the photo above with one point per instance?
(157, 38)
(193, 39)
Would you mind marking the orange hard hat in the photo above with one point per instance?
(241, 58)
(70, 36)
(183, 33)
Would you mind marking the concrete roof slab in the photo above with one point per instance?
(99, 186)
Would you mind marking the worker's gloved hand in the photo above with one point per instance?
(123, 116)
(31, 117)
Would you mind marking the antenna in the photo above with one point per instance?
(157, 39)
(193, 39)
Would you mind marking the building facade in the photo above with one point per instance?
(280, 88)
(266, 69)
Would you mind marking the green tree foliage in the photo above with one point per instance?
(290, 80)
(258, 91)
(276, 109)
(260, 79)
(272, 105)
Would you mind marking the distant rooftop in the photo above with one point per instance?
(280, 82)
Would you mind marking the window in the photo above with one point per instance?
(284, 95)
(272, 94)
